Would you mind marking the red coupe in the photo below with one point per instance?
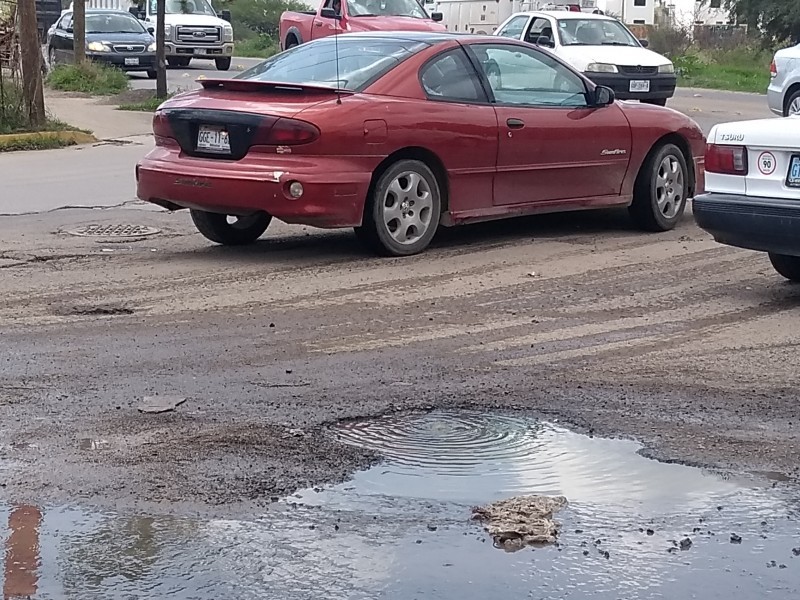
(397, 133)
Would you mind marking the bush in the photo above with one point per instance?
(90, 78)
(260, 46)
(669, 41)
(13, 116)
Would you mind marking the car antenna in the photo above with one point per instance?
(336, 50)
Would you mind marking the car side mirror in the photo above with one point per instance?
(603, 96)
(437, 17)
(545, 41)
(644, 43)
(151, 30)
(225, 15)
(329, 13)
(69, 30)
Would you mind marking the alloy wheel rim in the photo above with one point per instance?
(669, 187)
(407, 208)
(794, 107)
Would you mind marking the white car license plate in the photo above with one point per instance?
(131, 62)
(214, 140)
(199, 50)
(793, 178)
(640, 85)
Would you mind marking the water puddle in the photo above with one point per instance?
(402, 530)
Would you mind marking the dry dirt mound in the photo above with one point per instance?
(521, 521)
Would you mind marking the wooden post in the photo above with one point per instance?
(79, 30)
(31, 63)
(161, 63)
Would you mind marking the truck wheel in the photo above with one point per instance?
(173, 61)
(231, 230)
(402, 212)
(788, 266)
(291, 42)
(661, 189)
(222, 64)
(656, 101)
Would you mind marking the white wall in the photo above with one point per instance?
(630, 12)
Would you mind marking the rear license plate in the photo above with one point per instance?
(640, 85)
(131, 62)
(793, 178)
(199, 50)
(214, 140)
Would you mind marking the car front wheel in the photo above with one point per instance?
(231, 230)
(403, 210)
(661, 189)
(788, 266)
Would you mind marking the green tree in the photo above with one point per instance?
(261, 16)
(779, 20)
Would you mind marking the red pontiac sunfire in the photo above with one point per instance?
(410, 131)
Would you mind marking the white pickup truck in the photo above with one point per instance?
(192, 28)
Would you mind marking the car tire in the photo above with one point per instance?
(661, 189)
(244, 230)
(291, 42)
(51, 58)
(222, 64)
(787, 266)
(792, 105)
(402, 210)
(152, 74)
(655, 101)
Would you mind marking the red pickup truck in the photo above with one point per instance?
(346, 16)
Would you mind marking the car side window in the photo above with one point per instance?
(514, 28)
(540, 27)
(451, 77)
(66, 22)
(523, 76)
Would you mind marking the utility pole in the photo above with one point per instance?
(31, 63)
(161, 66)
(79, 30)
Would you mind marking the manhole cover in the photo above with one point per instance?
(114, 231)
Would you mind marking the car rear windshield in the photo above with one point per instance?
(361, 62)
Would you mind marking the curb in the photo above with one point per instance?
(66, 137)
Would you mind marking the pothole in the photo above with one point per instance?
(98, 310)
(119, 230)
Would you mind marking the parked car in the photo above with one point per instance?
(752, 197)
(783, 93)
(113, 37)
(602, 48)
(336, 16)
(410, 131)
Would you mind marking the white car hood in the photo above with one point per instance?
(581, 56)
(192, 20)
(762, 133)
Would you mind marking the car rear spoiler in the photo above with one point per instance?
(252, 85)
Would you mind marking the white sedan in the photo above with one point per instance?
(752, 197)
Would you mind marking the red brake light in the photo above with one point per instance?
(285, 132)
(773, 69)
(728, 160)
(162, 131)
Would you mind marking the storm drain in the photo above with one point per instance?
(114, 231)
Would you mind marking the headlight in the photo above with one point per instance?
(667, 68)
(601, 68)
(96, 47)
(227, 33)
(167, 31)
(151, 47)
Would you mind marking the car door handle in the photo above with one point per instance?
(318, 24)
(515, 123)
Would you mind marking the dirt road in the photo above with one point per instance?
(672, 339)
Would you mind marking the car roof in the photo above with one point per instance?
(565, 14)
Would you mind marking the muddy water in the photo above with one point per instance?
(401, 530)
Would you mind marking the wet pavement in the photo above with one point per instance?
(634, 528)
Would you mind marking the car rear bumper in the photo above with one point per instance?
(333, 192)
(764, 224)
(146, 62)
(661, 86)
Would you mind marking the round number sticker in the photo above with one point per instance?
(766, 163)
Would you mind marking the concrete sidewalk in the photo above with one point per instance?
(104, 120)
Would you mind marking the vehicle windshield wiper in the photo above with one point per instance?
(616, 43)
(366, 15)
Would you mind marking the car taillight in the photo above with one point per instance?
(285, 132)
(773, 69)
(162, 130)
(728, 160)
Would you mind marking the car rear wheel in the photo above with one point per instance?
(792, 105)
(222, 64)
(231, 230)
(788, 266)
(403, 210)
(661, 189)
(152, 74)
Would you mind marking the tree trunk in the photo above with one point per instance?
(161, 66)
(79, 30)
(31, 64)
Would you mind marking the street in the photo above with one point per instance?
(575, 321)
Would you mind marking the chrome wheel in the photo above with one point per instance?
(407, 208)
(794, 107)
(669, 187)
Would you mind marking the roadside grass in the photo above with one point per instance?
(740, 70)
(44, 141)
(89, 78)
(149, 105)
(259, 46)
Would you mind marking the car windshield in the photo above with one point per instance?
(112, 24)
(388, 8)
(185, 7)
(361, 61)
(594, 32)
